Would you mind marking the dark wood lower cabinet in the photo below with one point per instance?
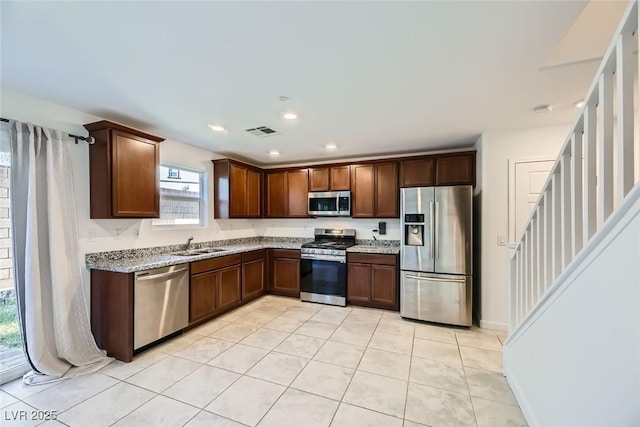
(229, 293)
(285, 272)
(215, 287)
(112, 313)
(203, 299)
(253, 278)
(372, 280)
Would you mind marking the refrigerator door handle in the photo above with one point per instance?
(436, 238)
(434, 279)
(432, 231)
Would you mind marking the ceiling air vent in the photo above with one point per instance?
(262, 131)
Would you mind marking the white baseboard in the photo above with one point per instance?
(520, 398)
(496, 326)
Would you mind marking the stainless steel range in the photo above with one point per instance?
(323, 266)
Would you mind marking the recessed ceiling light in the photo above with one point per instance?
(217, 128)
(274, 153)
(290, 115)
(579, 104)
(542, 109)
(331, 146)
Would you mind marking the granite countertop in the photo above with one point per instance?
(375, 249)
(133, 260)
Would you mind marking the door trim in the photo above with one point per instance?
(511, 193)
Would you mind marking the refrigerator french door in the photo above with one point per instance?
(436, 253)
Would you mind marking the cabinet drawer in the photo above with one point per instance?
(253, 255)
(373, 258)
(286, 253)
(214, 263)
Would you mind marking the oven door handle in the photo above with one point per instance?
(333, 258)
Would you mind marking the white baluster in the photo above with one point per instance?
(548, 241)
(565, 214)
(576, 191)
(556, 242)
(605, 147)
(589, 188)
(624, 113)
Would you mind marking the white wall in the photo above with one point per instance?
(578, 362)
(495, 149)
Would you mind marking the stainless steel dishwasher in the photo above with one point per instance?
(161, 303)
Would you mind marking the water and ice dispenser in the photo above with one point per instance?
(414, 229)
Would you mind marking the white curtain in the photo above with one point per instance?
(52, 308)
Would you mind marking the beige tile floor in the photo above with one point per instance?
(280, 362)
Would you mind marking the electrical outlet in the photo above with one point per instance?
(118, 230)
(91, 234)
(382, 227)
(502, 240)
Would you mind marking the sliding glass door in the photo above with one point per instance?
(12, 359)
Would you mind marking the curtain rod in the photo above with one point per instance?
(89, 139)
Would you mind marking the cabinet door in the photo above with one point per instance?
(387, 203)
(455, 169)
(384, 286)
(276, 194)
(318, 179)
(254, 191)
(298, 188)
(417, 172)
(238, 185)
(228, 286)
(340, 178)
(202, 295)
(286, 276)
(135, 180)
(253, 278)
(363, 191)
(358, 282)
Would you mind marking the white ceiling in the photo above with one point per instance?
(374, 78)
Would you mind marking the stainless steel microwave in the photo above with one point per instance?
(330, 203)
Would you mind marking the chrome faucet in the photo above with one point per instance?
(186, 248)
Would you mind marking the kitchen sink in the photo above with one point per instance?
(198, 252)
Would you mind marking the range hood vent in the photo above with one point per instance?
(262, 131)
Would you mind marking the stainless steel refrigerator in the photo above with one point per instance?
(435, 254)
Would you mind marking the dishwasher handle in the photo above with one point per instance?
(145, 276)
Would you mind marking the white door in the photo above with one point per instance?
(526, 179)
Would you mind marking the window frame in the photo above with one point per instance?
(203, 198)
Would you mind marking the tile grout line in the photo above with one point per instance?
(406, 400)
(355, 370)
(475, 418)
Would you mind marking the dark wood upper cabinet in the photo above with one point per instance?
(237, 190)
(318, 179)
(123, 172)
(456, 169)
(333, 178)
(438, 169)
(418, 172)
(298, 189)
(276, 194)
(374, 190)
(363, 191)
(387, 201)
(286, 193)
(340, 178)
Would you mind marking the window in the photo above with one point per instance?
(182, 196)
